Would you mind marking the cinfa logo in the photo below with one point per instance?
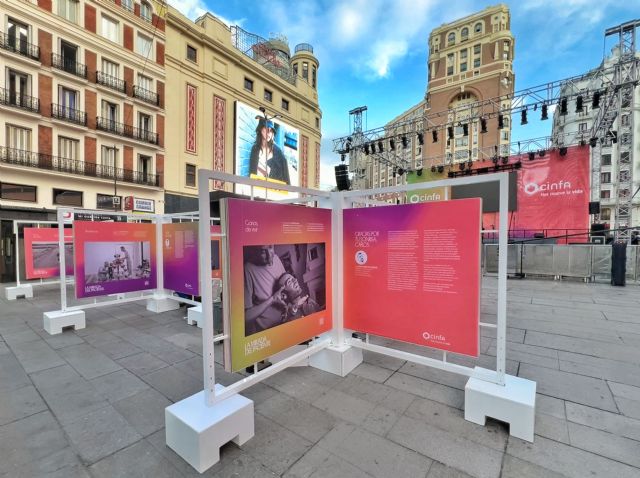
(437, 338)
(535, 188)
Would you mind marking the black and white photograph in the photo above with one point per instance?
(46, 255)
(116, 261)
(282, 283)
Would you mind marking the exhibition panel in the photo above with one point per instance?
(279, 278)
(112, 258)
(42, 252)
(421, 262)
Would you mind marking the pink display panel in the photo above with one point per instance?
(114, 257)
(412, 273)
(42, 252)
(279, 278)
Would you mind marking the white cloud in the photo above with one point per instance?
(193, 9)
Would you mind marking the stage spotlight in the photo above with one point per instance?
(541, 153)
(500, 121)
(419, 172)
(380, 147)
(465, 129)
(595, 101)
(343, 157)
(545, 113)
(433, 169)
(450, 132)
(434, 135)
(470, 162)
(400, 171)
(462, 166)
(518, 165)
(366, 149)
(523, 117)
(563, 151)
(532, 155)
(392, 144)
(505, 159)
(451, 174)
(495, 160)
(579, 101)
(483, 125)
(420, 139)
(593, 142)
(405, 142)
(440, 169)
(394, 172)
(563, 106)
(373, 147)
(614, 136)
(583, 142)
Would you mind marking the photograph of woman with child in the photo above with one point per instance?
(282, 282)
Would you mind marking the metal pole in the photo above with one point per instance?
(16, 230)
(159, 255)
(206, 294)
(337, 277)
(502, 280)
(63, 261)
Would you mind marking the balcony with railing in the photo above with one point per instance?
(128, 131)
(17, 100)
(18, 157)
(22, 48)
(146, 95)
(69, 115)
(111, 82)
(69, 66)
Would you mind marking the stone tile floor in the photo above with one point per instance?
(91, 402)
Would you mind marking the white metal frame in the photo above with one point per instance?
(338, 202)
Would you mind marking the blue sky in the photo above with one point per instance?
(374, 52)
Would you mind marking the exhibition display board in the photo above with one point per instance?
(279, 278)
(42, 252)
(112, 257)
(421, 263)
(180, 256)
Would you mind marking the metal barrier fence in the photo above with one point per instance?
(588, 261)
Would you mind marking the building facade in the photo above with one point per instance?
(470, 61)
(210, 69)
(81, 107)
(612, 181)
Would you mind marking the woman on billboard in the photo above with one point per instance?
(267, 159)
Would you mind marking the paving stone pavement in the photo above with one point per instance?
(90, 403)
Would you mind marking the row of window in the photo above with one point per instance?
(19, 139)
(110, 29)
(60, 197)
(268, 94)
(69, 9)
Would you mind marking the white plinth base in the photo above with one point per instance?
(280, 356)
(194, 315)
(160, 304)
(337, 359)
(514, 403)
(56, 320)
(196, 432)
(22, 290)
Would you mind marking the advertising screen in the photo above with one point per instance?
(279, 278)
(42, 252)
(267, 150)
(180, 257)
(412, 273)
(113, 258)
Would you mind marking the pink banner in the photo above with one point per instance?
(412, 273)
(42, 252)
(114, 257)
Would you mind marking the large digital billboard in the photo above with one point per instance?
(114, 257)
(265, 149)
(279, 278)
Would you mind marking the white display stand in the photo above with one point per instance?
(162, 303)
(196, 431)
(56, 320)
(198, 426)
(513, 403)
(194, 315)
(24, 291)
